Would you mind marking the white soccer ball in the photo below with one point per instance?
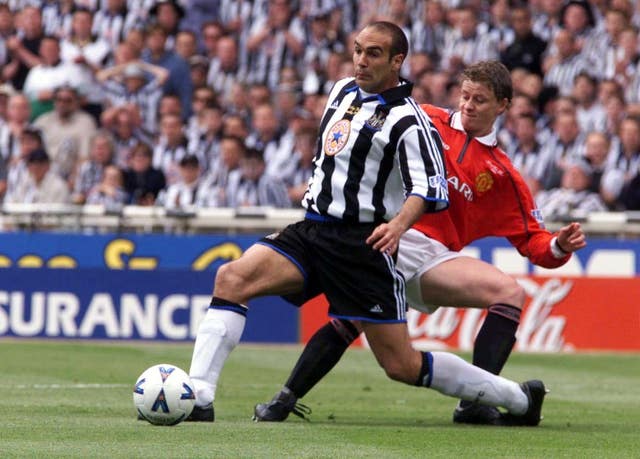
(164, 395)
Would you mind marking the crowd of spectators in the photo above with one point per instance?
(216, 103)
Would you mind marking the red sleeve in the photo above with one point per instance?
(534, 242)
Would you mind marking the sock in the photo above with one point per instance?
(495, 339)
(218, 335)
(451, 375)
(320, 355)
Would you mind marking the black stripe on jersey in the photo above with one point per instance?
(328, 163)
(359, 153)
(386, 164)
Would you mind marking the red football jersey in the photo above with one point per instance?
(487, 196)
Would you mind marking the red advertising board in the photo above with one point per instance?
(561, 314)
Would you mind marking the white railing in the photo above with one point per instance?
(97, 218)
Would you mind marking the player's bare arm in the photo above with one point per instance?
(386, 236)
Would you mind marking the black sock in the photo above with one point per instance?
(496, 338)
(320, 355)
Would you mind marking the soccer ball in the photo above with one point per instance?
(164, 395)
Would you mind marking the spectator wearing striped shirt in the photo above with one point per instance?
(596, 152)
(128, 85)
(207, 145)
(572, 196)
(623, 162)
(170, 148)
(298, 180)
(30, 140)
(186, 192)
(428, 33)
(605, 48)
(524, 152)
(592, 116)
(466, 44)
(232, 149)
(109, 192)
(577, 18)
(41, 185)
(18, 114)
(91, 171)
(126, 135)
(251, 186)
(225, 69)
(563, 68)
(268, 136)
(113, 22)
(547, 20)
(563, 148)
(275, 41)
(202, 97)
(498, 25)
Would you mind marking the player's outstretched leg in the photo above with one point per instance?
(320, 355)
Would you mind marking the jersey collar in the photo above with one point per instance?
(490, 140)
(402, 91)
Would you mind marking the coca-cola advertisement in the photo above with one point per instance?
(561, 315)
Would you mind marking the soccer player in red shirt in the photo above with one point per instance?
(488, 197)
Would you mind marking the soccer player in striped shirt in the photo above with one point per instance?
(488, 198)
(378, 168)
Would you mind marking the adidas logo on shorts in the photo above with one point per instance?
(376, 308)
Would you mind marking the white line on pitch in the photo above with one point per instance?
(65, 386)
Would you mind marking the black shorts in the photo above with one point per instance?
(359, 282)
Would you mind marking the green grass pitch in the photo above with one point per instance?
(64, 399)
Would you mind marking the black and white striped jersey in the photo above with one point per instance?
(373, 151)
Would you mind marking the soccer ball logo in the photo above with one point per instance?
(164, 395)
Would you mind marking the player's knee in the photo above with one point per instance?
(229, 282)
(509, 291)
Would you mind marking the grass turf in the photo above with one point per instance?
(63, 399)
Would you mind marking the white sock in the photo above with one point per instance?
(453, 376)
(218, 335)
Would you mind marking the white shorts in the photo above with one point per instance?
(417, 254)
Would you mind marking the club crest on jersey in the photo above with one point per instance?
(376, 121)
(484, 182)
(337, 137)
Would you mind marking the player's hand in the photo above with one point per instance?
(571, 238)
(386, 237)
